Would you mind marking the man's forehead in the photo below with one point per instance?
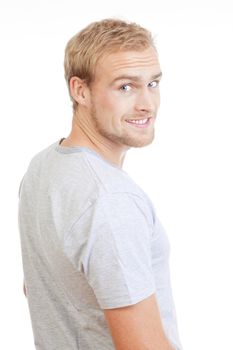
(117, 62)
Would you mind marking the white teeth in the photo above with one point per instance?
(134, 121)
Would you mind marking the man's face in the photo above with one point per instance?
(125, 98)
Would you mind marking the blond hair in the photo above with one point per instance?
(85, 48)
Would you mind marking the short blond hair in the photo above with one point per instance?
(85, 48)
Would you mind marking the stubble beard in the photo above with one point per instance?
(125, 139)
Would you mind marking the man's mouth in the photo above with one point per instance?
(139, 122)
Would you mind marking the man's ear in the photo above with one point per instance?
(79, 90)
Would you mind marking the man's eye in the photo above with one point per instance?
(126, 87)
(154, 84)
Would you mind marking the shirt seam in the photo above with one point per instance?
(100, 196)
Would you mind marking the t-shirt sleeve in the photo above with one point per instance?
(117, 256)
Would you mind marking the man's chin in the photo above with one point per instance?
(140, 145)
(137, 143)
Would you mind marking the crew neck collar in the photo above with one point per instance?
(76, 149)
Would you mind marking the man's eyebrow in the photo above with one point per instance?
(135, 77)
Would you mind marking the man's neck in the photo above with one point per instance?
(110, 153)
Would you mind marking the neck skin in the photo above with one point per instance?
(83, 136)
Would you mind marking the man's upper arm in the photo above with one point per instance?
(117, 264)
(137, 326)
(117, 257)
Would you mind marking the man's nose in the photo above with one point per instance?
(147, 101)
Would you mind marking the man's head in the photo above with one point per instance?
(84, 49)
(112, 71)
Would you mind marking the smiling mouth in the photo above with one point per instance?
(139, 122)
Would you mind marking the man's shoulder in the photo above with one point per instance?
(41, 155)
(81, 177)
(103, 176)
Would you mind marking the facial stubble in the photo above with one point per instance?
(129, 138)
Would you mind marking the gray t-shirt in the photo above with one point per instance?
(90, 241)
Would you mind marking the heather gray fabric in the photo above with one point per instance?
(90, 241)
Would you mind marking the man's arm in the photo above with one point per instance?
(138, 326)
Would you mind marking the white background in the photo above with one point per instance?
(187, 171)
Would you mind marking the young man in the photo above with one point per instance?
(95, 255)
